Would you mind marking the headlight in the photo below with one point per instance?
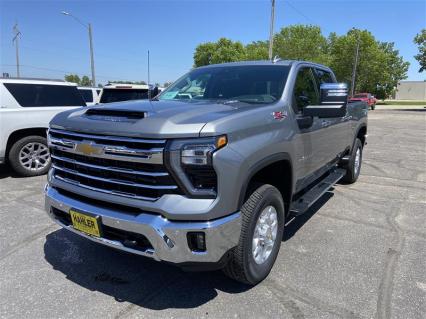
(191, 163)
(200, 153)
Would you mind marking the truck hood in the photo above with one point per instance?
(143, 118)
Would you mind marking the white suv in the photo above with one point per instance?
(26, 108)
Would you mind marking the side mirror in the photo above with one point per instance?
(334, 97)
(334, 93)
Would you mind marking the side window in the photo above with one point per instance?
(305, 92)
(44, 95)
(323, 77)
(87, 95)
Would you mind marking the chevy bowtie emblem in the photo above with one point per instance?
(278, 115)
(88, 148)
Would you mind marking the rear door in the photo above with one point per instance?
(30, 105)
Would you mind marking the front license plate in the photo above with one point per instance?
(85, 223)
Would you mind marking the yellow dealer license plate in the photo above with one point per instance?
(85, 223)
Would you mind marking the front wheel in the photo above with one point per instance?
(30, 156)
(262, 230)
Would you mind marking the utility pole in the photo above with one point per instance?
(149, 81)
(355, 65)
(271, 29)
(92, 60)
(16, 40)
(88, 26)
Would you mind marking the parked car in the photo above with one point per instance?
(206, 175)
(127, 92)
(90, 94)
(27, 106)
(365, 97)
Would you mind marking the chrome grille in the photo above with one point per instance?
(128, 167)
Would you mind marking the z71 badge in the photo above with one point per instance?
(279, 115)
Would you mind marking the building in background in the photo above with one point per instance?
(411, 90)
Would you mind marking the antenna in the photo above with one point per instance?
(15, 39)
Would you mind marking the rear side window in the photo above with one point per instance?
(117, 95)
(39, 95)
(87, 95)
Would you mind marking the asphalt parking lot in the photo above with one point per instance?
(358, 253)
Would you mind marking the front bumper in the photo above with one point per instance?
(167, 238)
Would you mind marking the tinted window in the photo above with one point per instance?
(248, 83)
(38, 95)
(87, 95)
(323, 76)
(305, 91)
(117, 95)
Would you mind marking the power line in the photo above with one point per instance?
(305, 16)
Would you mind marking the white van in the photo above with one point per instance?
(26, 108)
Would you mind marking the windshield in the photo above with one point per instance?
(251, 84)
(118, 95)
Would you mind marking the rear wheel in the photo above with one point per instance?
(30, 156)
(354, 165)
(260, 239)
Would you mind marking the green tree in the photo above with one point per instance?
(301, 42)
(224, 50)
(85, 81)
(379, 67)
(420, 40)
(72, 78)
(257, 50)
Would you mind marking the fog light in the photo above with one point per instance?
(197, 241)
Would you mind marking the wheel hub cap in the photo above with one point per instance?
(34, 156)
(265, 234)
(357, 160)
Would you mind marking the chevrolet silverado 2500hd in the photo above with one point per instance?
(206, 174)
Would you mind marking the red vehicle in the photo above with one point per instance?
(365, 97)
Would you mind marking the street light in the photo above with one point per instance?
(88, 26)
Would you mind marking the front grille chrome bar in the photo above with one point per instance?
(109, 168)
(113, 181)
(106, 137)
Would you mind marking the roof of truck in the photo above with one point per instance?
(266, 62)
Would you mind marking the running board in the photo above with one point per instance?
(302, 204)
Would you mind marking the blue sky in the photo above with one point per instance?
(53, 44)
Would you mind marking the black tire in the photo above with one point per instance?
(351, 172)
(241, 265)
(16, 149)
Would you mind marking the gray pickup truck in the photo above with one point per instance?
(205, 175)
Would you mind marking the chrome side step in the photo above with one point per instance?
(302, 204)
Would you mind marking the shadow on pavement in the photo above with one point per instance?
(294, 224)
(139, 280)
(131, 278)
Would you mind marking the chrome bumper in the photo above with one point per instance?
(168, 238)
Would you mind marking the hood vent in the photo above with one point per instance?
(114, 115)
